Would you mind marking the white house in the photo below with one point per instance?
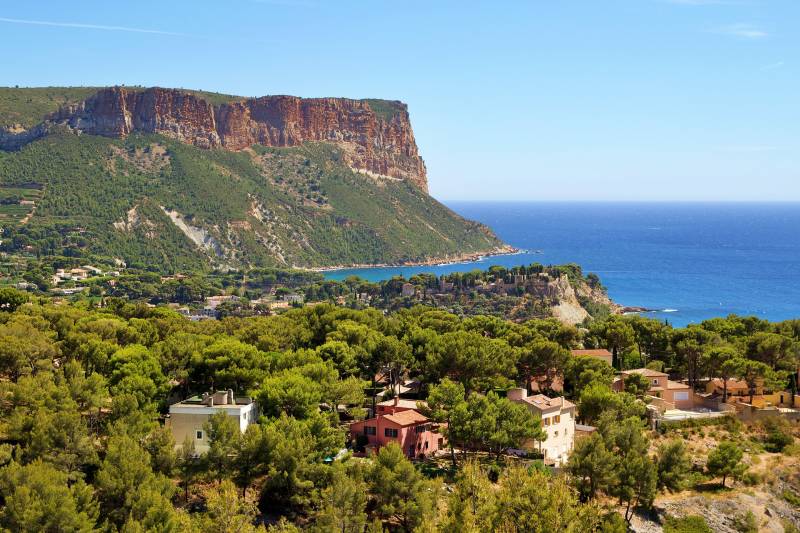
(558, 421)
(189, 417)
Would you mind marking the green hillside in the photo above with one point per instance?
(298, 206)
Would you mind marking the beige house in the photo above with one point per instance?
(189, 417)
(558, 421)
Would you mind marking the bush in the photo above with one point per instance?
(792, 450)
(791, 497)
(777, 440)
(751, 478)
(788, 526)
(696, 478)
(689, 425)
(687, 524)
(494, 472)
(745, 523)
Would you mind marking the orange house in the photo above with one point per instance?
(414, 432)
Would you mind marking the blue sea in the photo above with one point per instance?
(688, 261)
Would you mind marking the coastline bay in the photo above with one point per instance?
(687, 261)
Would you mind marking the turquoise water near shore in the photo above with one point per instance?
(688, 261)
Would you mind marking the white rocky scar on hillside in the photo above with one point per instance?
(134, 220)
(199, 236)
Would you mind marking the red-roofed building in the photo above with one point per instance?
(396, 405)
(412, 431)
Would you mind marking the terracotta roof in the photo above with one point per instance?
(596, 352)
(676, 385)
(733, 384)
(406, 418)
(540, 401)
(646, 372)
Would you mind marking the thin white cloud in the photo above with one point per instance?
(744, 31)
(773, 66)
(86, 26)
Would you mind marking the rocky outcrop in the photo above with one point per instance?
(378, 141)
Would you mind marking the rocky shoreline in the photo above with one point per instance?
(434, 261)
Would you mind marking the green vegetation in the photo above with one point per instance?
(274, 207)
(725, 461)
(27, 106)
(687, 524)
(385, 109)
(84, 387)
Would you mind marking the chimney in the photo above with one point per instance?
(517, 394)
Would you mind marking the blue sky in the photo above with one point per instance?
(535, 100)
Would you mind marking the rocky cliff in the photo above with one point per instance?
(375, 136)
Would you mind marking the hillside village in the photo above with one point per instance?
(519, 293)
(397, 415)
(619, 415)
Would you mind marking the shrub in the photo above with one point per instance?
(746, 523)
(751, 478)
(494, 472)
(688, 426)
(788, 526)
(791, 497)
(687, 524)
(792, 450)
(777, 440)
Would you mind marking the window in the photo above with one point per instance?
(198, 434)
(369, 430)
(655, 381)
(390, 432)
(545, 421)
(557, 419)
(422, 428)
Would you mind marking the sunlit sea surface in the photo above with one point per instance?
(687, 261)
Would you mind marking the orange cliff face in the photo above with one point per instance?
(380, 143)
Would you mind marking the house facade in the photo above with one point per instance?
(416, 435)
(558, 422)
(189, 417)
(674, 392)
